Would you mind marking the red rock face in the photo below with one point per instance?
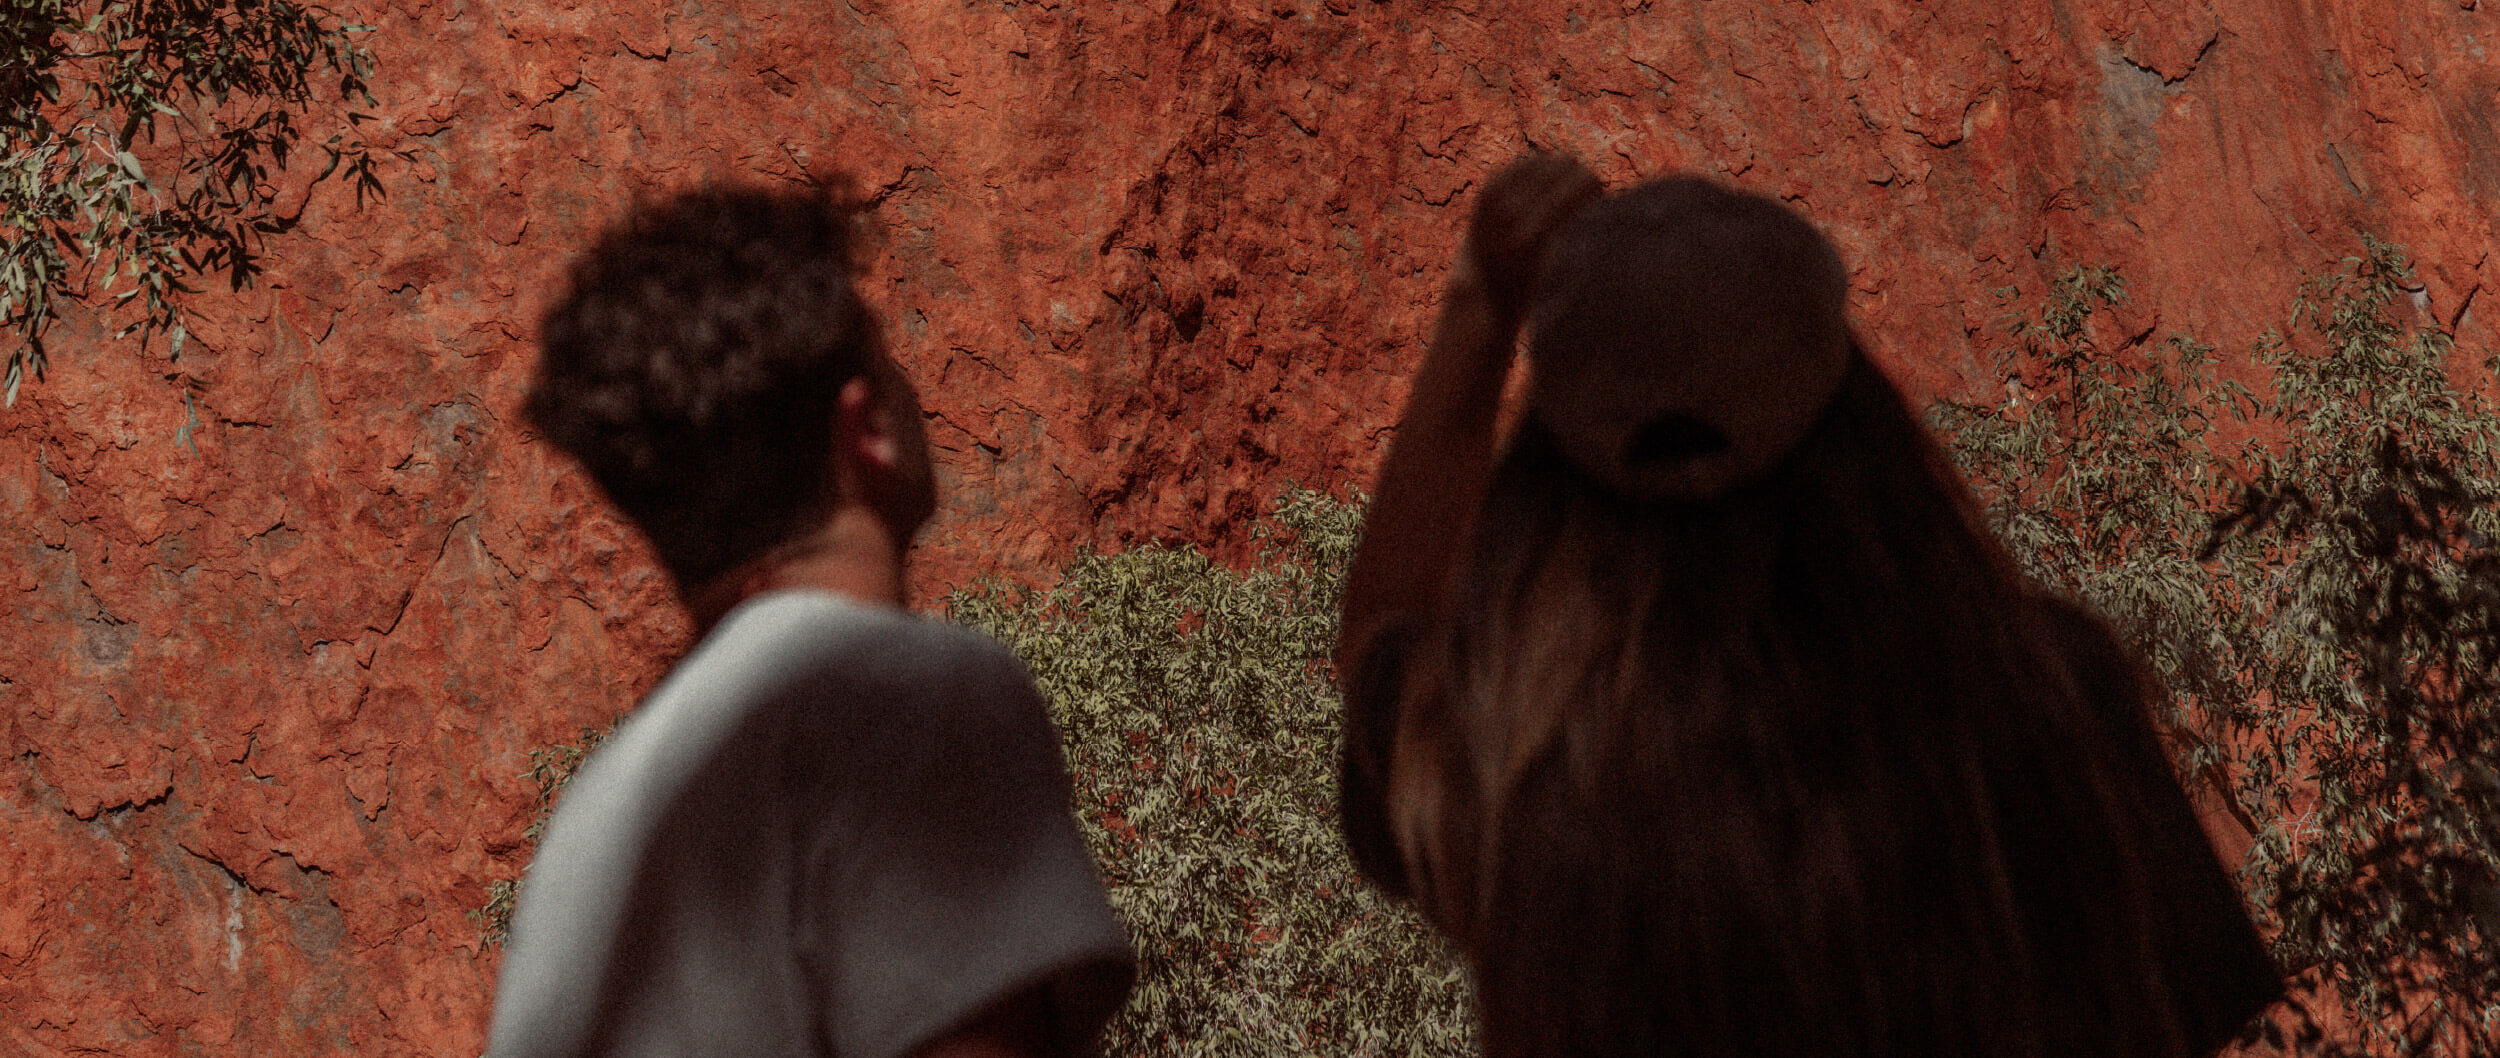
(270, 702)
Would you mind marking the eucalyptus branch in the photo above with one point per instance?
(91, 85)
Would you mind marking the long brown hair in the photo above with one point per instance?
(1803, 769)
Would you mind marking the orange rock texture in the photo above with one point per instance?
(272, 679)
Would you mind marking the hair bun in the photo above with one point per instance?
(1686, 336)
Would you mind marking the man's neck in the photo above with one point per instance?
(854, 555)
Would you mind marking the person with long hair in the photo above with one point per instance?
(1703, 714)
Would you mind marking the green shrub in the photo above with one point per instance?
(1200, 719)
(2328, 631)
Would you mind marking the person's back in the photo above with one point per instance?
(1711, 722)
(834, 828)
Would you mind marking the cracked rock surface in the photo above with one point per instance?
(269, 704)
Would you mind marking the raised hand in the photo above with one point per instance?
(1515, 215)
(1424, 507)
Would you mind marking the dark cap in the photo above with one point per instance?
(1685, 337)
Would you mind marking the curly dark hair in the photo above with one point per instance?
(692, 365)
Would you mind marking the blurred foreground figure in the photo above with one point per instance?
(835, 829)
(1707, 719)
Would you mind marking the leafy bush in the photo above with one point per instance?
(2328, 630)
(82, 81)
(1201, 718)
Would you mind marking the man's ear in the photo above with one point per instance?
(860, 429)
(880, 456)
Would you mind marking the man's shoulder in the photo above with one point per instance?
(799, 687)
(819, 631)
(804, 724)
(833, 660)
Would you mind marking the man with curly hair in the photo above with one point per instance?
(835, 828)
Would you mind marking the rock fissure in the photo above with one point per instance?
(114, 814)
(232, 876)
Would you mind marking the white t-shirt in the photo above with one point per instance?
(834, 830)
